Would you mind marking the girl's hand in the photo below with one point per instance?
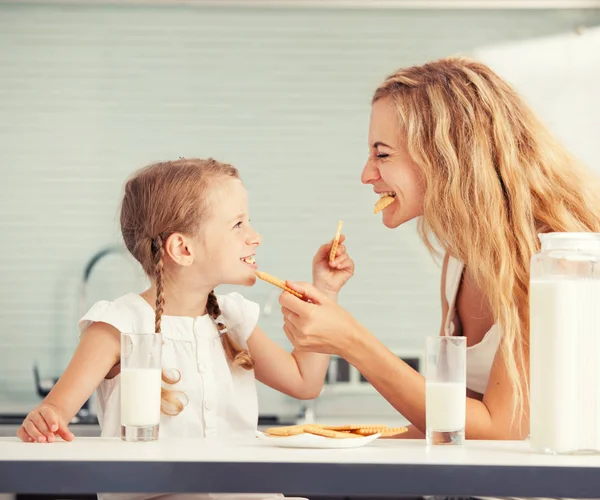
(320, 325)
(43, 424)
(331, 277)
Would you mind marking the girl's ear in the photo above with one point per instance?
(178, 248)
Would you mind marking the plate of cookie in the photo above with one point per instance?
(326, 436)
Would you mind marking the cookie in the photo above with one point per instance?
(277, 282)
(336, 431)
(385, 432)
(290, 430)
(382, 203)
(353, 427)
(318, 430)
(336, 241)
(393, 432)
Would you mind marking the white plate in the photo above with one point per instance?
(311, 441)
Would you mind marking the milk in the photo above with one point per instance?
(565, 364)
(445, 406)
(140, 396)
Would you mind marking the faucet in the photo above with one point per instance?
(87, 271)
(307, 413)
(44, 386)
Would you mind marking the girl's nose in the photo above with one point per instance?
(254, 240)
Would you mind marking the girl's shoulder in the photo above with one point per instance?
(240, 314)
(128, 313)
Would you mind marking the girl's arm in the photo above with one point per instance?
(297, 374)
(98, 351)
(301, 374)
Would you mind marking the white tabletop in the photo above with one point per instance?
(382, 451)
(407, 467)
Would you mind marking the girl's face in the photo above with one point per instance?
(389, 167)
(225, 246)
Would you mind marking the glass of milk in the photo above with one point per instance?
(445, 389)
(140, 385)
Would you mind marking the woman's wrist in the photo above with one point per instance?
(354, 342)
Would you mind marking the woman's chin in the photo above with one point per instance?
(390, 221)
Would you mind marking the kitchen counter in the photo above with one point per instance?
(382, 468)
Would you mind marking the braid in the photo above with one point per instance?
(234, 352)
(158, 252)
(172, 402)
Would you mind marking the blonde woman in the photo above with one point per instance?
(453, 144)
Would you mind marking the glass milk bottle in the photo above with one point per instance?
(564, 306)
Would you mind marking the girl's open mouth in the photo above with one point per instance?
(249, 260)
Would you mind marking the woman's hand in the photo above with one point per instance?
(331, 277)
(43, 424)
(320, 325)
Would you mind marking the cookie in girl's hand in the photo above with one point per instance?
(336, 241)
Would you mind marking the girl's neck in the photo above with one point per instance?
(179, 301)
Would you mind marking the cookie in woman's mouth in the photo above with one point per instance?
(385, 199)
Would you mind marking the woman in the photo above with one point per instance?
(453, 144)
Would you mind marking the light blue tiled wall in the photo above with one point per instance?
(88, 94)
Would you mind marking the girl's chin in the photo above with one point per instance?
(248, 280)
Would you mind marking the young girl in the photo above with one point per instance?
(186, 222)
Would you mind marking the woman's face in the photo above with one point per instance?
(390, 169)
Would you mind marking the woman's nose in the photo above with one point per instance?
(370, 173)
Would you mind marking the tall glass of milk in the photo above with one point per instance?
(564, 315)
(445, 389)
(140, 385)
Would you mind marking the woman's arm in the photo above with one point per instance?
(323, 326)
(404, 388)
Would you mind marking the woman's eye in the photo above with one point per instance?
(238, 225)
(382, 155)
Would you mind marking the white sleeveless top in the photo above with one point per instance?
(222, 401)
(479, 356)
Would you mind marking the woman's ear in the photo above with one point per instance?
(177, 247)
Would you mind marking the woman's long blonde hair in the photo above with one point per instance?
(162, 199)
(495, 178)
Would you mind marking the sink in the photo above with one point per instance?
(11, 419)
(88, 426)
(17, 419)
(274, 421)
(82, 427)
